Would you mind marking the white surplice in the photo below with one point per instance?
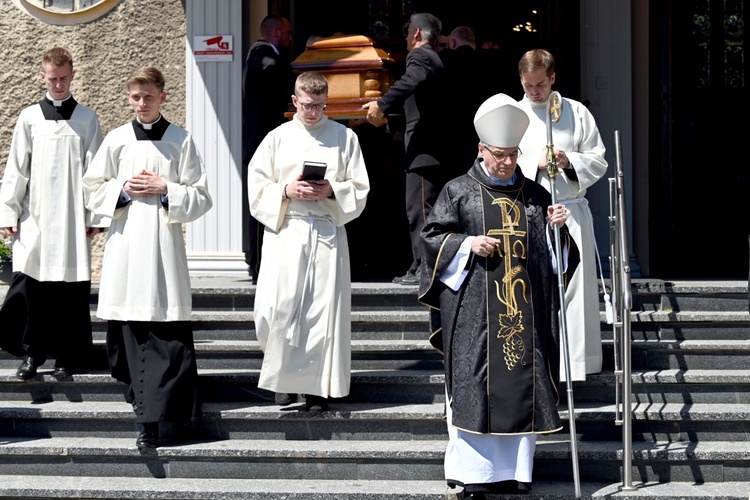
(145, 275)
(304, 285)
(42, 194)
(577, 135)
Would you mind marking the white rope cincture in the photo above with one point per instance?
(293, 334)
(609, 312)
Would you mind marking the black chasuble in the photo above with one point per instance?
(497, 332)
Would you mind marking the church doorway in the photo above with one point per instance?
(699, 201)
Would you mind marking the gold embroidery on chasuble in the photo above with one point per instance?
(509, 310)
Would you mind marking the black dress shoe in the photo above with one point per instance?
(62, 372)
(28, 367)
(315, 404)
(524, 488)
(410, 279)
(148, 439)
(283, 399)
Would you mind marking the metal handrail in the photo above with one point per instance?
(622, 304)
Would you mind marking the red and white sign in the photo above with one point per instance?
(213, 48)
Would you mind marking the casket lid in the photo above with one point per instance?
(344, 53)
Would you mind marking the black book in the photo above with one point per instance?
(313, 171)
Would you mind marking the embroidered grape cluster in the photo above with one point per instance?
(513, 350)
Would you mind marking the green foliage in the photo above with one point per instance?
(5, 251)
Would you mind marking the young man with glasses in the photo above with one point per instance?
(303, 300)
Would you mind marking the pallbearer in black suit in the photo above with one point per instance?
(422, 92)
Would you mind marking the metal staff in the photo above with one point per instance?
(554, 110)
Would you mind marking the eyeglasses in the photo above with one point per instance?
(502, 155)
(309, 106)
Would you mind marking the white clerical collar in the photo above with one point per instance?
(494, 179)
(57, 102)
(534, 104)
(148, 126)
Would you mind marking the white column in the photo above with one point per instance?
(214, 118)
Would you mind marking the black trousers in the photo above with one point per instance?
(423, 186)
(25, 314)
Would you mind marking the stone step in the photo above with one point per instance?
(701, 330)
(225, 384)
(246, 354)
(404, 386)
(405, 325)
(684, 354)
(237, 293)
(369, 421)
(26, 487)
(343, 421)
(682, 386)
(651, 294)
(239, 325)
(684, 301)
(418, 354)
(230, 293)
(227, 294)
(421, 316)
(710, 462)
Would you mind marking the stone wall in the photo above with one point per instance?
(135, 33)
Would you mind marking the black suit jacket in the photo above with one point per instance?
(267, 86)
(422, 93)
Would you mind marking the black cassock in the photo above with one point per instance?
(498, 331)
(157, 361)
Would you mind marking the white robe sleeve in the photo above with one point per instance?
(456, 272)
(92, 142)
(101, 186)
(352, 187)
(265, 191)
(188, 198)
(588, 157)
(17, 174)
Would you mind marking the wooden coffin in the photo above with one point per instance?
(356, 70)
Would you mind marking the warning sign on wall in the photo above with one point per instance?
(213, 48)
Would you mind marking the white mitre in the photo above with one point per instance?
(499, 122)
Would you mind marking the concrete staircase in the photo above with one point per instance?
(691, 374)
